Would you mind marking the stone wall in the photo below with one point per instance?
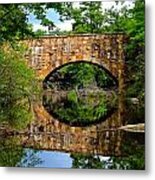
(47, 53)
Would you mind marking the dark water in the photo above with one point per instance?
(48, 142)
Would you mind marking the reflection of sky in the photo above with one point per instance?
(55, 159)
(51, 159)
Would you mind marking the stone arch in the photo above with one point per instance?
(50, 52)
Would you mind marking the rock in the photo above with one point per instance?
(134, 127)
(134, 100)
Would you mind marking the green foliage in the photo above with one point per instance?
(132, 22)
(136, 52)
(79, 109)
(102, 79)
(40, 32)
(10, 154)
(72, 96)
(13, 21)
(79, 76)
(14, 155)
(101, 110)
(88, 17)
(17, 87)
(86, 161)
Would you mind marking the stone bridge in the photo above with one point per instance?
(50, 52)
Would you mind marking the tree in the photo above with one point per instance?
(131, 21)
(10, 154)
(17, 86)
(14, 19)
(40, 32)
(14, 155)
(17, 80)
(86, 161)
(79, 75)
(88, 17)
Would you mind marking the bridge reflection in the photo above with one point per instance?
(48, 133)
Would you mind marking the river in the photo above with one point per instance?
(49, 142)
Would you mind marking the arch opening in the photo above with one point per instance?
(80, 93)
(100, 67)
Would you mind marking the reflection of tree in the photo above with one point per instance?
(17, 87)
(10, 154)
(133, 158)
(80, 108)
(86, 161)
(13, 155)
(30, 159)
(134, 161)
(133, 150)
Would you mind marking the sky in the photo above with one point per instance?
(54, 16)
(67, 25)
(51, 159)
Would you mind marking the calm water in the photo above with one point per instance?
(48, 142)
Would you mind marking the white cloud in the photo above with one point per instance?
(109, 4)
(76, 4)
(65, 26)
(38, 26)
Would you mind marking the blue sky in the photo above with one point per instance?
(52, 15)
